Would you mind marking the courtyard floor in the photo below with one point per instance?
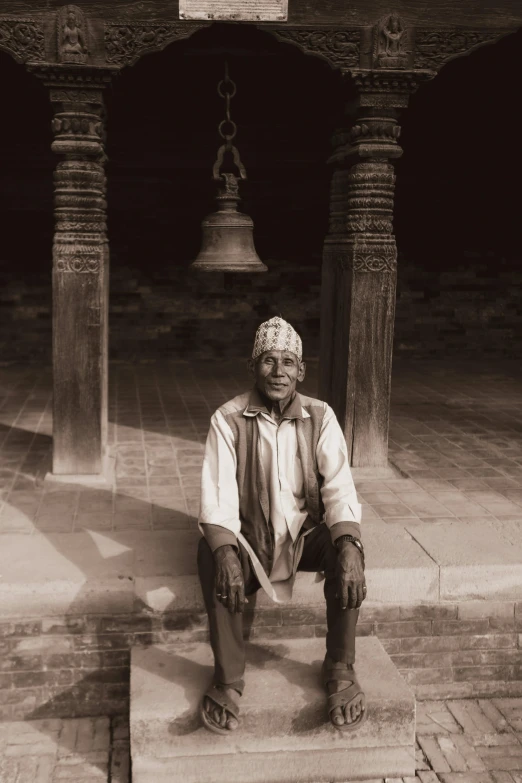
(473, 741)
(455, 435)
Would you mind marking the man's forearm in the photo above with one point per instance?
(218, 536)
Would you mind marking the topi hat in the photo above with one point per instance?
(277, 335)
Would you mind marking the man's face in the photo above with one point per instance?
(276, 373)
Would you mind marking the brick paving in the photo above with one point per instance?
(455, 435)
(458, 741)
(86, 750)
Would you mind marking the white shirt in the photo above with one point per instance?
(284, 474)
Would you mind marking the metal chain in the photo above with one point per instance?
(227, 89)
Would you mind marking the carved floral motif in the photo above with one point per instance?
(339, 47)
(80, 239)
(126, 43)
(380, 258)
(384, 129)
(361, 258)
(78, 264)
(22, 38)
(372, 224)
(435, 47)
(71, 31)
(362, 198)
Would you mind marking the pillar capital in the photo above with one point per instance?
(374, 114)
(73, 75)
(76, 95)
(387, 88)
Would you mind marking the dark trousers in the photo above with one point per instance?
(226, 628)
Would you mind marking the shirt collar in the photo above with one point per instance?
(256, 404)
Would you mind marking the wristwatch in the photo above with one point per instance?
(356, 541)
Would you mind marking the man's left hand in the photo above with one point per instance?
(351, 583)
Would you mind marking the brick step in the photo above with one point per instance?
(285, 736)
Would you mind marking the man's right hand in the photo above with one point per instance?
(230, 584)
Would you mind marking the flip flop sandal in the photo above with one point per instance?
(227, 704)
(338, 672)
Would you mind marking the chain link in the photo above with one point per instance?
(227, 128)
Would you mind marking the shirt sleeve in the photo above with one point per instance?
(342, 509)
(219, 515)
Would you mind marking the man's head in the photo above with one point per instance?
(277, 359)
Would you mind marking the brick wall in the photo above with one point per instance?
(473, 310)
(79, 666)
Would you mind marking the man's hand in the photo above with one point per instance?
(230, 585)
(351, 584)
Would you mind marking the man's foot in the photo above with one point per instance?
(220, 709)
(346, 700)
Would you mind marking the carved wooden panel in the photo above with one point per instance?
(126, 43)
(435, 47)
(22, 38)
(339, 47)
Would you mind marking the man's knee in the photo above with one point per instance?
(205, 557)
(331, 554)
(320, 552)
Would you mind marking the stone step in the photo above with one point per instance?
(284, 736)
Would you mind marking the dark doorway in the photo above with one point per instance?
(26, 206)
(163, 139)
(458, 209)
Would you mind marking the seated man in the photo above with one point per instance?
(277, 496)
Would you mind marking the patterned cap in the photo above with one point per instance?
(277, 335)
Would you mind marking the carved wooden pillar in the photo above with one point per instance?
(359, 268)
(80, 272)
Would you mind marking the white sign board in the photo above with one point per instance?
(235, 10)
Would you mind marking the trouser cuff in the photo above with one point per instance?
(237, 685)
(339, 655)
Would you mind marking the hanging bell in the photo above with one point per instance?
(228, 236)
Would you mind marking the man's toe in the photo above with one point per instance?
(337, 716)
(232, 724)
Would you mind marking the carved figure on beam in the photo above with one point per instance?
(72, 43)
(390, 42)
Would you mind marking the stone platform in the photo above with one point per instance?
(284, 736)
(88, 572)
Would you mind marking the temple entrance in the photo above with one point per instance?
(26, 206)
(162, 143)
(457, 215)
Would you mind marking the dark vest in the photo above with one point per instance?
(254, 506)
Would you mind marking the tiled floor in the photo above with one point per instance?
(472, 741)
(85, 750)
(456, 435)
